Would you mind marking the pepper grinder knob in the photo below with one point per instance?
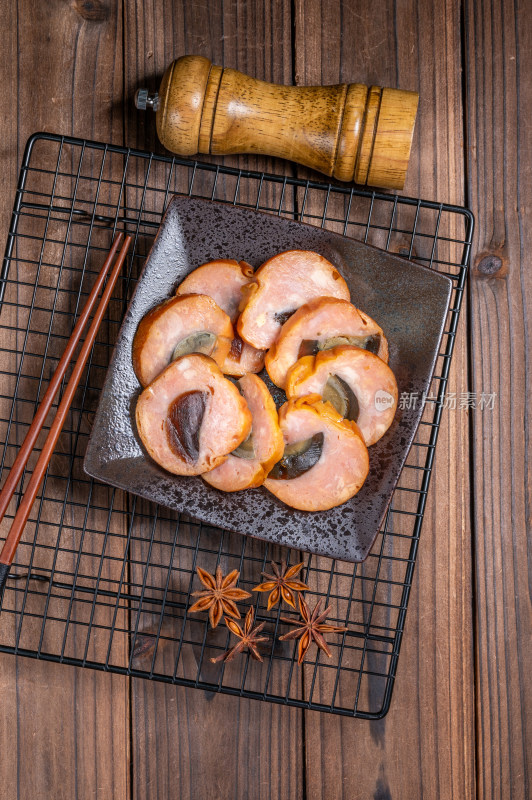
(144, 100)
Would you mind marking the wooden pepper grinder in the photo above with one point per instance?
(351, 132)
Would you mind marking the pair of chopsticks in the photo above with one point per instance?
(21, 517)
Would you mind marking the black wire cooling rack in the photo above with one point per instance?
(103, 579)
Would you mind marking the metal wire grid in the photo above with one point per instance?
(103, 579)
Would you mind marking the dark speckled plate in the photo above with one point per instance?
(409, 302)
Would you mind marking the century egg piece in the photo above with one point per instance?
(321, 324)
(359, 385)
(249, 464)
(282, 285)
(190, 417)
(191, 323)
(223, 280)
(325, 461)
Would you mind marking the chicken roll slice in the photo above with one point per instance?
(321, 324)
(248, 465)
(282, 285)
(223, 280)
(325, 460)
(191, 323)
(243, 358)
(191, 417)
(360, 386)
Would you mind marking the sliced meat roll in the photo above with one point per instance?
(325, 460)
(242, 358)
(223, 280)
(248, 465)
(191, 417)
(357, 383)
(281, 286)
(191, 323)
(321, 324)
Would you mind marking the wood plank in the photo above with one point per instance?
(213, 745)
(9, 733)
(498, 72)
(66, 730)
(425, 745)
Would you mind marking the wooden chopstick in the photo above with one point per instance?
(21, 517)
(28, 444)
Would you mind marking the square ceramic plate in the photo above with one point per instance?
(408, 301)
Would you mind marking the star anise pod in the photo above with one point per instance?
(248, 638)
(282, 584)
(220, 595)
(310, 629)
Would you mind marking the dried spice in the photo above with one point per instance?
(311, 629)
(220, 595)
(249, 638)
(282, 584)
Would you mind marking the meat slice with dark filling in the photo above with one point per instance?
(282, 285)
(358, 384)
(248, 465)
(191, 323)
(191, 417)
(325, 460)
(223, 280)
(321, 324)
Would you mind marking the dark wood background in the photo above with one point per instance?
(459, 724)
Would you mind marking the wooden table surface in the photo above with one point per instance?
(459, 725)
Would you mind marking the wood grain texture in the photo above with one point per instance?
(424, 747)
(9, 730)
(63, 66)
(66, 730)
(499, 81)
(191, 744)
